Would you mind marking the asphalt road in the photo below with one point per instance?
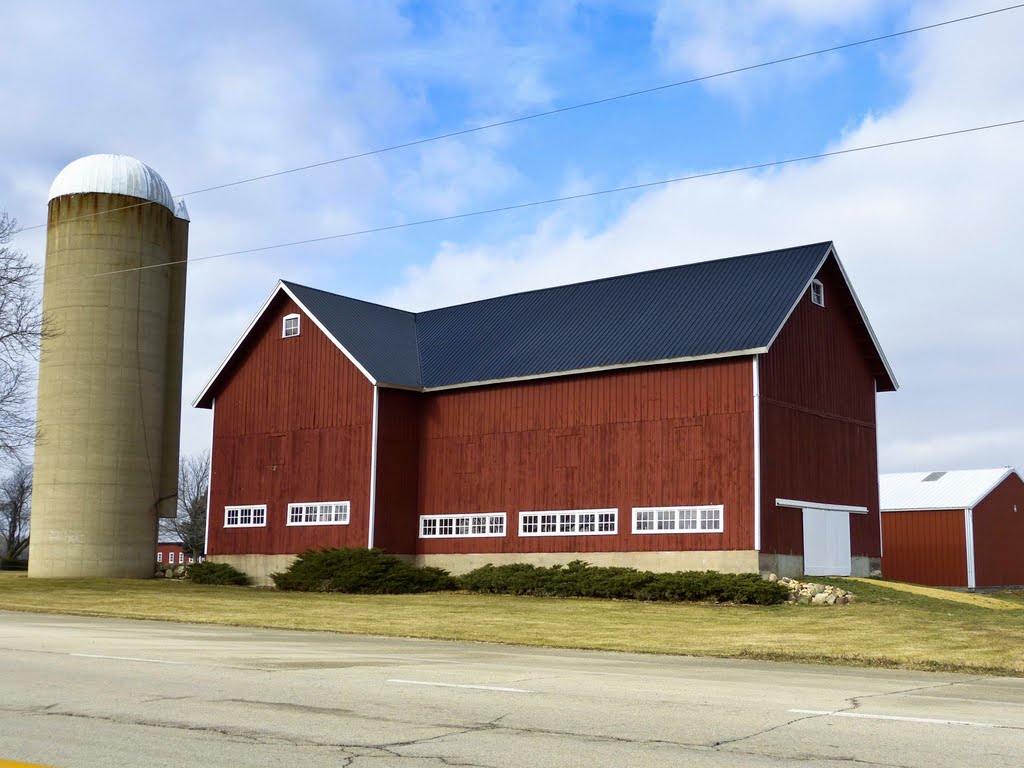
(100, 692)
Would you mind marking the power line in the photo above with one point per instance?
(562, 110)
(567, 198)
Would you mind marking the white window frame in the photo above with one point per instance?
(569, 522)
(257, 516)
(464, 526)
(284, 325)
(818, 289)
(319, 513)
(159, 557)
(673, 520)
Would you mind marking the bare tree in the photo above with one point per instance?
(15, 511)
(189, 527)
(21, 329)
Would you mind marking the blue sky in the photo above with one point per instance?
(207, 94)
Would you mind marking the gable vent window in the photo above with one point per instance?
(817, 293)
(290, 326)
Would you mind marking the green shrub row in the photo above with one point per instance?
(579, 579)
(361, 572)
(370, 571)
(215, 573)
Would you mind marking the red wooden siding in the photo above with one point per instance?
(817, 400)
(398, 435)
(663, 435)
(166, 551)
(925, 547)
(292, 423)
(999, 536)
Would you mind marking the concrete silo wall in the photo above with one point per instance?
(104, 387)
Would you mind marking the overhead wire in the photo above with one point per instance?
(568, 198)
(562, 110)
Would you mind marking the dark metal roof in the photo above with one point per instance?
(382, 339)
(707, 309)
(694, 310)
(710, 308)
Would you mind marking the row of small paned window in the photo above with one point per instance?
(468, 526)
(580, 522)
(678, 519)
(290, 326)
(306, 513)
(170, 558)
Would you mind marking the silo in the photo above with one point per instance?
(110, 374)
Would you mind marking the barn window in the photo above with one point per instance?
(319, 513)
(290, 326)
(245, 517)
(817, 293)
(159, 557)
(462, 526)
(571, 522)
(706, 519)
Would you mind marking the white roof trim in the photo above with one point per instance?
(259, 315)
(860, 308)
(1009, 471)
(827, 507)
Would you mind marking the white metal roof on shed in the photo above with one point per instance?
(113, 174)
(957, 489)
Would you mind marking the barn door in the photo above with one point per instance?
(826, 542)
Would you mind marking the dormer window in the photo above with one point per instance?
(290, 326)
(817, 293)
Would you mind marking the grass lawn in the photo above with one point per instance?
(886, 627)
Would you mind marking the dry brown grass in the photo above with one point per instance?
(885, 627)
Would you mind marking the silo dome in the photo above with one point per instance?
(112, 174)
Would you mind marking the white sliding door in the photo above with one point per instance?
(826, 542)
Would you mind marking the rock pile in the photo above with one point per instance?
(169, 571)
(812, 593)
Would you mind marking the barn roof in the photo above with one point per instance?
(711, 309)
(957, 489)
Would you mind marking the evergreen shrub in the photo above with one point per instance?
(360, 571)
(215, 573)
(579, 579)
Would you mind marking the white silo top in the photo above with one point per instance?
(112, 174)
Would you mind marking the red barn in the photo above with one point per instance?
(718, 415)
(954, 529)
(170, 553)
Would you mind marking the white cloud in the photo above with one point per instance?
(700, 37)
(929, 233)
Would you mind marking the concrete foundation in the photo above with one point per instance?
(793, 565)
(259, 567)
(256, 567)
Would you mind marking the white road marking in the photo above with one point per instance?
(125, 658)
(456, 685)
(901, 718)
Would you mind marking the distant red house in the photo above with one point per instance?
(171, 553)
(715, 415)
(954, 529)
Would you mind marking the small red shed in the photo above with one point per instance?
(171, 553)
(954, 529)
